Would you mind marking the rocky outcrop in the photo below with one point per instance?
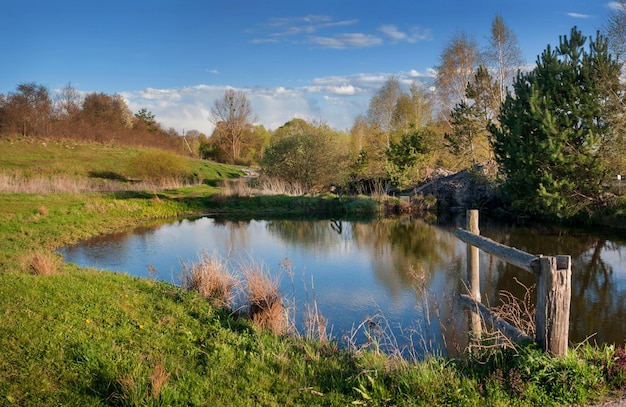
(468, 189)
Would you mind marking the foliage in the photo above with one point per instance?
(404, 155)
(233, 117)
(503, 54)
(147, 118)
(27, 111)
(381, 111)
(458, 62)
(31, 112)
(314, 158)
(469, 118)
(552, 131)
(253, 142)
(108, 338)
(393, 117)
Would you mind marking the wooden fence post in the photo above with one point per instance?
(473, 272)
(554, 290)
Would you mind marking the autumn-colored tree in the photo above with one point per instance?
(102, 109)
(458, 62)
(28, 111)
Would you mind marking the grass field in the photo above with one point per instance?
(81, 337)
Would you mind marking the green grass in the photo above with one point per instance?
(82, 337)
(72, 159)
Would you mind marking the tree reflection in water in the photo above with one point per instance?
(406, 269)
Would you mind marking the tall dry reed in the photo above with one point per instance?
(262, 186)
(211, 278)
(16, 182)
(264, 298)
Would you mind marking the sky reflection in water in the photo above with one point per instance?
(405, 271)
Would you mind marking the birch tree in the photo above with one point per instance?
(503, 54)
(457, 65)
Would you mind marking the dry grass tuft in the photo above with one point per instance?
(519, 312)
(41, 263)
(211, 278)
(264, 299)
(315, 324)
(42, 211)
(158, 379)
(262, 186)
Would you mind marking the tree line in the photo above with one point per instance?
(555, 130)
(407, 130)
(32, 111)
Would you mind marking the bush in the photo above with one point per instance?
(313, 157)
(159, 166)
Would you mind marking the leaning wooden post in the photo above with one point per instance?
(473, 271)
(554, 291)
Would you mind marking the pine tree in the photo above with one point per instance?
(551, 132)
(469, 118)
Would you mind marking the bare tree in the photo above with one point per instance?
(232, 115)
(380, 113)
(615, 28)
(458, 62)
(28, 111)
(503, 54)
(69, 101)
(108, 110)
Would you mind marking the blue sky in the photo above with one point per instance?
(317, 60)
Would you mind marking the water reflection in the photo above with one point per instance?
(404, 269)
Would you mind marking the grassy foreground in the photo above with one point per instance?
(83, 337)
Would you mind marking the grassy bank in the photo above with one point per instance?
(75, 336)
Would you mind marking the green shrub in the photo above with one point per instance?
(159, 166)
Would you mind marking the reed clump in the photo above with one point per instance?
(40, 263)
(264, 298)
(211, 278)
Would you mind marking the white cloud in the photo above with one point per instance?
(578, 15)
(414, 35)
(307, 29)
(349, 40)
(277, 29)
(430, 73)
(336, 100)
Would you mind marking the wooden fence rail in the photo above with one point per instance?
(554, 287)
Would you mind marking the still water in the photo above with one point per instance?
(403, 274)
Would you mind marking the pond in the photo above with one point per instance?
(397, 276)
